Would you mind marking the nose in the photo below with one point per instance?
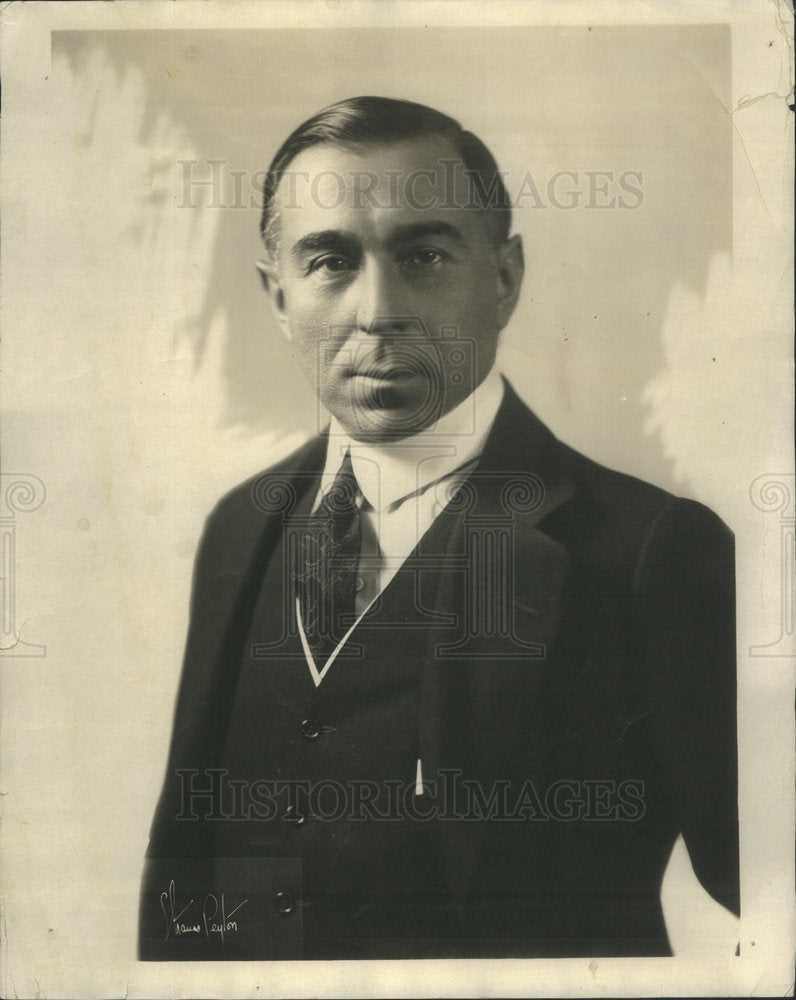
(382, 306)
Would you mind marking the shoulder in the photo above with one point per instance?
(654, 542)
(601, 512)
(258, 493)
(239, 518)
(639, 506)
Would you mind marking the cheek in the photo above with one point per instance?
(317, 347)
(479, 322)
(312, 314)
(471, 306)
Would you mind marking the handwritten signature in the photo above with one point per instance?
(212, 918)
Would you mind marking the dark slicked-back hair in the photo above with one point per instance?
(359, 121)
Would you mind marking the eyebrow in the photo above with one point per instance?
(327, 239)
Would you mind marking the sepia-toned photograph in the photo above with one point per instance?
(397, 500)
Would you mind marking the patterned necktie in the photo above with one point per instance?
(326, 582)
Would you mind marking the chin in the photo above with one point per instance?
(375, 426)
(387, 415)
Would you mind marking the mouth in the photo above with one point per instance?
(386, 373)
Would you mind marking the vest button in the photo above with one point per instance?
(310, 729)
(293, 816)
(284, 903)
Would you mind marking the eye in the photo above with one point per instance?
(425, 257)
(331, 264)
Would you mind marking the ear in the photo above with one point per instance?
(269, 275)
(511, 268)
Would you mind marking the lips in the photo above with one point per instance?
(386, 373)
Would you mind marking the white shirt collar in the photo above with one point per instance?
(389, 471)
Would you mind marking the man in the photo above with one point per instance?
(450, 688)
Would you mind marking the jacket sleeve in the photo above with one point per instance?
(190, 738)
(684, 587)
(232, 555)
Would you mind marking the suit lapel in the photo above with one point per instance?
(499, 596)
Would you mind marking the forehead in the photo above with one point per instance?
(370, 189)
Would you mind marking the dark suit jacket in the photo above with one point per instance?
(605, 708)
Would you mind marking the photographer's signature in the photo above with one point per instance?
(213, 917)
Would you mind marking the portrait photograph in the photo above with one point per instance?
(397, 499)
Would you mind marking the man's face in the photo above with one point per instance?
(388, 283)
